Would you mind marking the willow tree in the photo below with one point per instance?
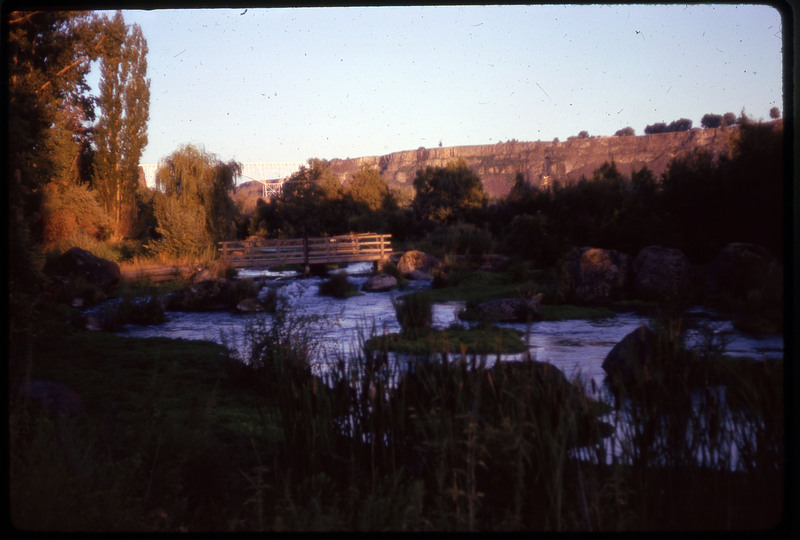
(193, 204)
(121, 130)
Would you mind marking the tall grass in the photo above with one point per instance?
(456, 445)
(414, 312)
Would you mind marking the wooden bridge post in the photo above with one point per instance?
(306, 265)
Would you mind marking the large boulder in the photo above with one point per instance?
(510, 309)
(738, 268)
(598, 275)
(77, 263)
(380, 283)
(629, 357)
(206, 295)
(664, 274)
(413, 261)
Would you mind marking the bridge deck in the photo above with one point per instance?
(264, 253)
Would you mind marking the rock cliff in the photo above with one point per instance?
(544, 162)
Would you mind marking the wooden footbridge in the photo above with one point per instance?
(262, 253)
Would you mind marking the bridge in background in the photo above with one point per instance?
(272, 176)
(262, 253)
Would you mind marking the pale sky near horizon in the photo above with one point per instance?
(286, 85)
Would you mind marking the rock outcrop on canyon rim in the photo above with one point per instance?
(542, 163)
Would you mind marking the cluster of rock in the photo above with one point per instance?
(663, 274)
(594, 276)
(510, 309)
(414, 265)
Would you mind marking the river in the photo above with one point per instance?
(574, 346)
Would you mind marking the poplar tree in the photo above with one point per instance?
(121, 130)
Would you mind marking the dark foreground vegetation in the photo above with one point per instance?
(171, 435)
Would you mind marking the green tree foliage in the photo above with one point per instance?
(448, 194)
(625, 132)
(729, 119)
(367, 186)
(48, 57)
(711, 120)
(312, 202)
(193, 205)
(121, 131)
(684, 124)
(606, 210)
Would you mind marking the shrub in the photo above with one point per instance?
(244, 288)
(148, 311)
(338, 286)
(463, 239)
(414, 312)
(71, 212)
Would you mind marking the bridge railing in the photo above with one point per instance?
(346, 248)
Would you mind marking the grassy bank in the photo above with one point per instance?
(457, 340)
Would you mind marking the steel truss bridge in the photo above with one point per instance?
(272, 176)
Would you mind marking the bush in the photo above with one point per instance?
(244, 288)
(338, 286)
(414, 312)
(72, 213)
(148, 311)
(463, 239)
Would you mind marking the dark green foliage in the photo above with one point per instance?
(461, 239)
(414, 312)
(243, 288)
(531, 237)
(712, 203)
(684, 124)
(711, 120)
(338, 286)
(314, 203)
(367, 186)
(447, 194)
(483, 339)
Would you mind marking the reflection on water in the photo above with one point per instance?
(574, 346)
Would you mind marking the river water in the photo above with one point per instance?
(576, 347)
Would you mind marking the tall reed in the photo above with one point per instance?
(454, 444)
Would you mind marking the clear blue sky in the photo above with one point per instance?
(290, 84)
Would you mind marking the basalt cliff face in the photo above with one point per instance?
(544, 162)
